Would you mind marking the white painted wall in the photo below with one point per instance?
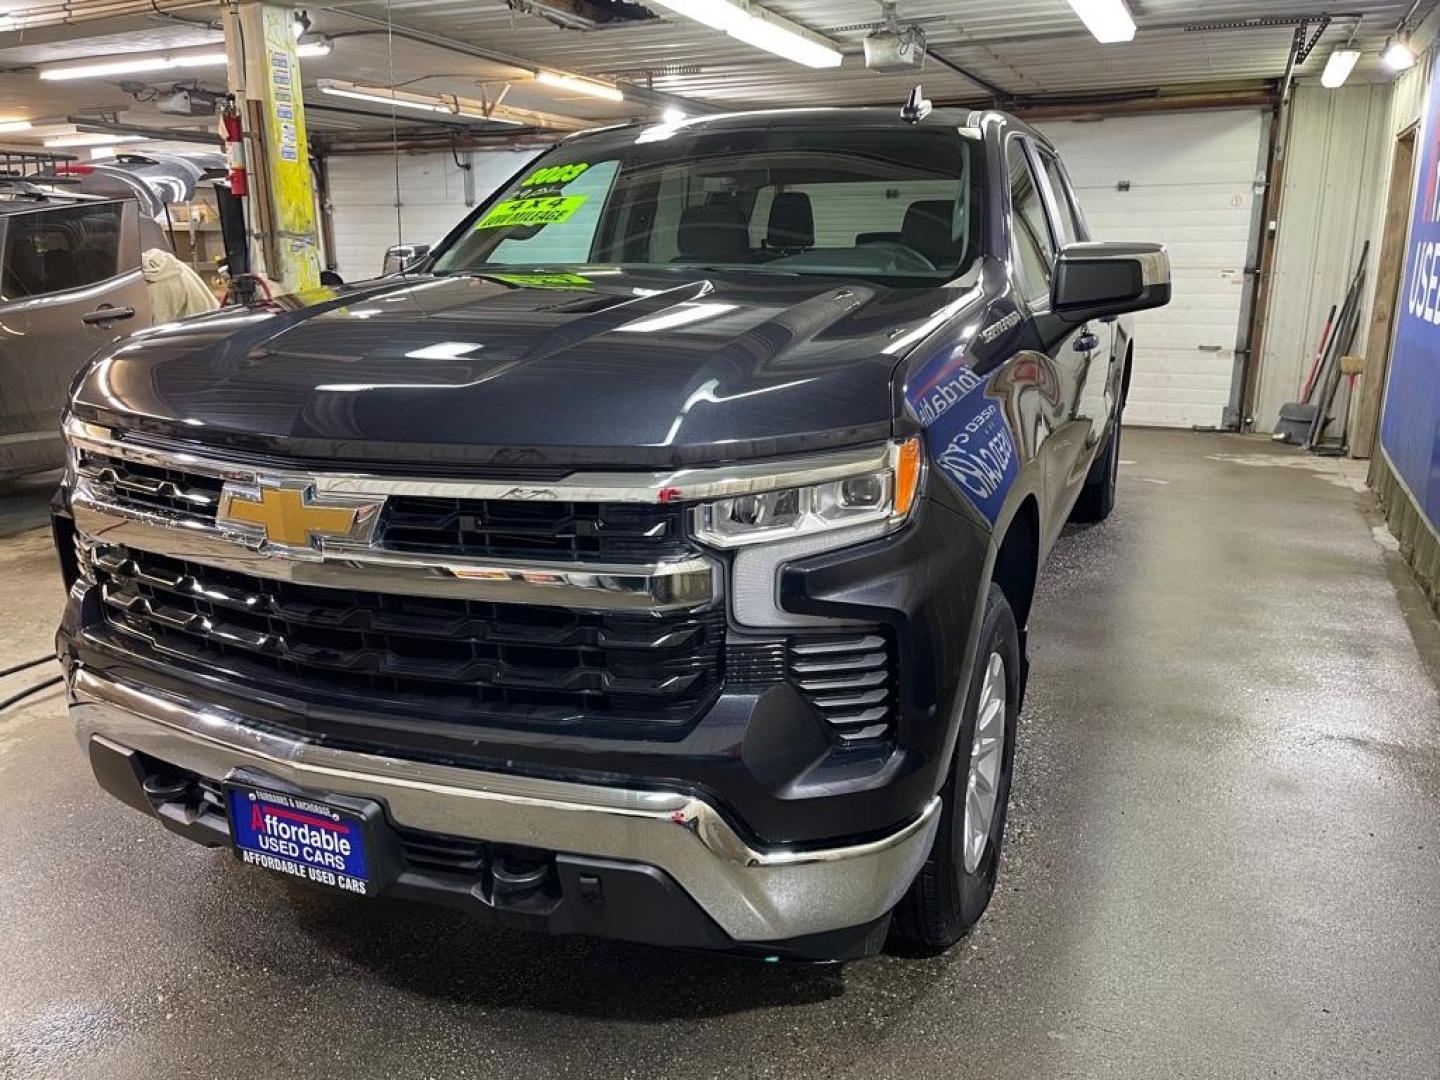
(431, 197)
(1193, 185)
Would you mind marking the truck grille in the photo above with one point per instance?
(463, 528)
(451, 659)
(152, 489)
(555, 531)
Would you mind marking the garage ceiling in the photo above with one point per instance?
(1032, 50)
(1026, 47)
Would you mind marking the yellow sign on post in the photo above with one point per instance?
(282, 191)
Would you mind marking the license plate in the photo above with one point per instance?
(311, 840)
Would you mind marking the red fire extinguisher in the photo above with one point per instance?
(234, 136)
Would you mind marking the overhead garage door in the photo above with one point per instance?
(431, 197)
(1187, 180)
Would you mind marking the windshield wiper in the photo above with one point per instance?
(731, 268)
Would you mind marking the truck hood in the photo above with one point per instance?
(525, 371)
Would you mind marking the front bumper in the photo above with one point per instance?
(752, 895)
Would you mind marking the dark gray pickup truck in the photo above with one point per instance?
(650, 559)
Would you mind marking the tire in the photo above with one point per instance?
(950, 893)
(1097, 497)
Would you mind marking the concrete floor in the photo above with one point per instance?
(1222, 860)
(25, 502)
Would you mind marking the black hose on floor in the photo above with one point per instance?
(23, 694)
(25, 665)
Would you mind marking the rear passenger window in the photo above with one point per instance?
(1069, 216)
(1034, 249)
(69, 247)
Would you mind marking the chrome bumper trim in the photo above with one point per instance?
(754, 895)
(711, 482)
(660, 586)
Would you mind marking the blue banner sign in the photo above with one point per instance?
(1410, 430)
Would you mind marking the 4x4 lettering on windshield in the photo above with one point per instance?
(545, 210)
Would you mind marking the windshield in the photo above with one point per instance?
(901, 206)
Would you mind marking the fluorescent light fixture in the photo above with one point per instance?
(208, 59)
(717, 14)
(1397, 55)
(1338, 68)
(1109, 20)
(137, 64)
(761, 28)
(381, 96)
(445, 104)
(133, 66)
(11, 127)
(580, 86)
(87, 138)
(784, 38)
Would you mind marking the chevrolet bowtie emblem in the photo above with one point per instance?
(294, 516)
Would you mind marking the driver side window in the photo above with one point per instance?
(1034, 247)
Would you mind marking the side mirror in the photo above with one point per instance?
(401, 257)
(1092, 281)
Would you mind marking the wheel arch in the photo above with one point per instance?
(1127, 368)
(1017, 560)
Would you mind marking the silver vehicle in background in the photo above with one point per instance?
(70, 283)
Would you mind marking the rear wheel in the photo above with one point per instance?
(956, 882)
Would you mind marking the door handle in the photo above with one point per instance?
(1087, 342)
(107, 314)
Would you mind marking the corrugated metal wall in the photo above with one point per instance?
(1339, 155)
(1333, 195)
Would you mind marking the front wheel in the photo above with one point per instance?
(956, 882)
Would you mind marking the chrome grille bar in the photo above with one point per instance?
(672, 585)
(613, 487)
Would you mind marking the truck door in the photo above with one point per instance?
(70, 284)
(1100, 391)
(1067, 349)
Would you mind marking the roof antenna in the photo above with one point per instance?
(916, 107)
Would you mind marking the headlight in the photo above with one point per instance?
(886, 495)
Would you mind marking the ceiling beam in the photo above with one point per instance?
(997, 94)
(107, 127)
(45, 24)
(634, 92)
(461, 108)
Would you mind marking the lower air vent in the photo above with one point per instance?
(849, 679)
